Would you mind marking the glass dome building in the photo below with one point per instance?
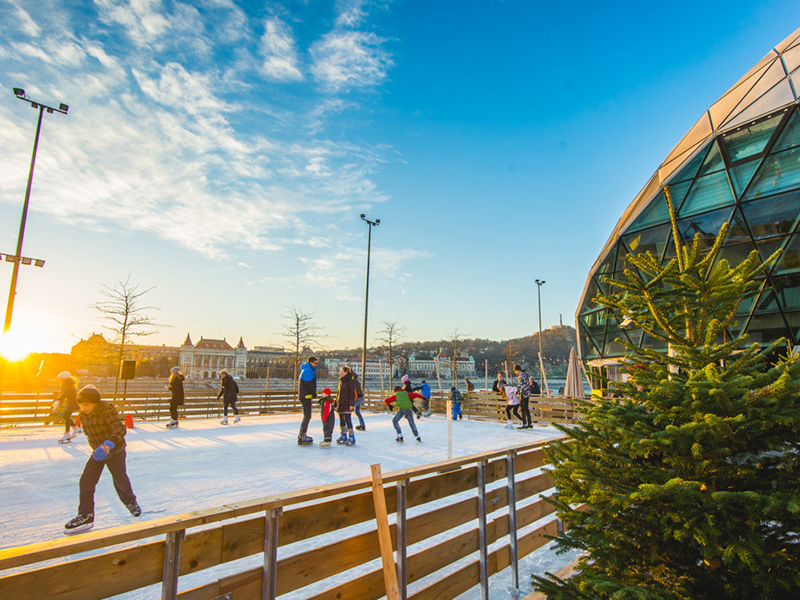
(739, 164)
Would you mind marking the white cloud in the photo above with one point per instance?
(349, 59)
(278, 48)
(27, 24)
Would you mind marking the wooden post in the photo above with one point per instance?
(169, 570)
(270, 572)
(512, 518)
(483, 541)
(402, 538)
(384, 538)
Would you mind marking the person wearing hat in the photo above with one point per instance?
(106, 434)
(425, 390)
(408, 388)
(176, 395)
(228, 391)
(65, 404)
(328, 415)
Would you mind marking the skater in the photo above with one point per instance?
(407, 388)
(228, 392)
(456, 398)
(499, 384)
(345, 400)
(470, 385)
(328, 415)
(65, 404)
(176, 395)
(525, 390)
(106, 434)
(513, 405)
(307, 391)
(403, 400)
(357, 406)
(425, 390)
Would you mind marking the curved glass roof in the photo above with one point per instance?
(739, 164)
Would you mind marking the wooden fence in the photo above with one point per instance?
(456, 523)
(31, 409)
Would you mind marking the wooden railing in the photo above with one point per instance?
(31, 409)
(461, 508)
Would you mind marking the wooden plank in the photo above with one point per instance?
(533, 512)
(526, 461)
(526, 488)
(451, 585)
(384, 539)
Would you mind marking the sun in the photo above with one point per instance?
(15, 347)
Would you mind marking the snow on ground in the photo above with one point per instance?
(204, 464)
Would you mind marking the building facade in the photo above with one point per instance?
(421, 366)
(740, 165)
(206, 358)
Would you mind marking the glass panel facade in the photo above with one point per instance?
(751, 139)
(745, 173)
(711, 191)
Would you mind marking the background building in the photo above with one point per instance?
(739, 164)
(208, 357)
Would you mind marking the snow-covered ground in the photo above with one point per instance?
(204, 464)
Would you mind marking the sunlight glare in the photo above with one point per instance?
(16, 345)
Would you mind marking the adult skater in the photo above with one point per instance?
(470, 385)
(357, 406)
(66, 404)
(425, 390)
(525, 391)
(403, 400)
(106, 434)
(176, 395)
(228, 391)
(307, 391)
(499, 384)
(345, 400)
(328, 416)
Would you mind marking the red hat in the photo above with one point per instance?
(327, 391)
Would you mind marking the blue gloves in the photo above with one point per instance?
(101, 452)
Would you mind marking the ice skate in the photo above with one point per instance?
(79, 524)
(351, 441)
(237, 419)
(419, 439)
(360, 428)
(399, 438)
(172, 424)
(134, 508)
(304, 440)
(224, 421)
(428, 413)
(509, 425)
(76, 431)
(65, 438)
(325, 444)
(341, 439)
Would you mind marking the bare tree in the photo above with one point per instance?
(455, 338)
(300, 331)
(122, 306)
(389, 335)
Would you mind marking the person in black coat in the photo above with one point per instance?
(228, 391)
(176, 395)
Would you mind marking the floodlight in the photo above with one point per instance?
(377, 221)
(63, 107)
(19, 92)
(26, 260)
(38, 263)
(362, 216)
(49, 111)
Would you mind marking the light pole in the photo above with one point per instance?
(539, 284)
(370, 225)
(18, 258)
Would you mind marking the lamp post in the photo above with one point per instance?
(539, 284)
(18, 258)
(370, 225)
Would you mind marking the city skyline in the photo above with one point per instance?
(221, 153)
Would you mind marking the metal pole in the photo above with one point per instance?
(270, 569)
(18, 258)
(171, 565)
(483, 542)
(366, 309)
(401, 536)
(512, 519)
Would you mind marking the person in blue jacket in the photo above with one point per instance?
(425, 390)
(307, 392)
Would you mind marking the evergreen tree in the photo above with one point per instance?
(686, 485)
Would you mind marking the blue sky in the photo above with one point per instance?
(221, 152)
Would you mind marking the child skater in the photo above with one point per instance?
(67, 405)
(328, 417)
(456, 398)
(106, 434)
(512, 406)
(404, 409)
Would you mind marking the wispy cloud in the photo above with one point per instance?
(279, 50)
(344, 60)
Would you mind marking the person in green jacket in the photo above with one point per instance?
(405, 407)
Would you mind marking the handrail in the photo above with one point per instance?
(40, 551)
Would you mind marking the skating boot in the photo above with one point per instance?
(360, 428)
(419, 439)
(342, 438)
(325, 444)
(134, 508)
(304, 440)
(224, 421)
(399, 438)
(80, 523)
(65, 438)
(76, 431)
(172, 423)
(237, 419)
(351, 441)
(509, 425)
